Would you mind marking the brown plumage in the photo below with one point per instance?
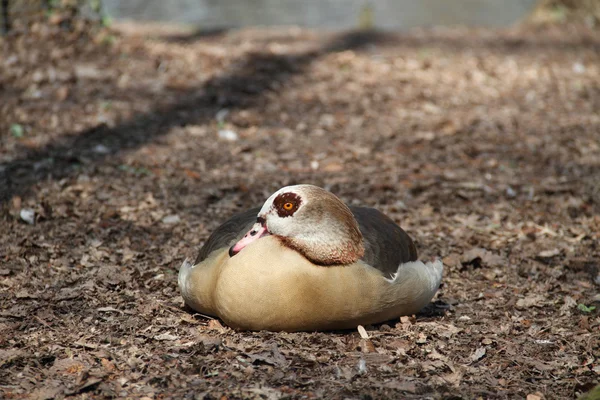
(306, 261)
(386, 244)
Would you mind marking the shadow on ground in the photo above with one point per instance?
(239, 88)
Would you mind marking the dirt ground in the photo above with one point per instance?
(123, 151)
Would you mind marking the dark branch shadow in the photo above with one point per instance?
(244, 86)
(241, 87)
(196, 35)
(501, 43)
(358, 40)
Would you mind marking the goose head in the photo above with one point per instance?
(311, 221)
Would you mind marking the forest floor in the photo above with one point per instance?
(121, 152)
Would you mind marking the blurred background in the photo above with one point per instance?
(328, 14)
(337, 14)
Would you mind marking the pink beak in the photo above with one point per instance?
(257, 231)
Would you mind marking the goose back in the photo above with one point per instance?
(386, 244)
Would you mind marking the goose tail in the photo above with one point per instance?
(415, 284)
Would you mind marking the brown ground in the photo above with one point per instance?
(483, 145)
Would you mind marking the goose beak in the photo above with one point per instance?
(257, 231)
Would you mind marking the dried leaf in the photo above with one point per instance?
(453, 378)
(166, 336)
(216, 325)
(478, 354)
(548, 254)
(367, 346)
(479, 257)
(534, 397)
(535, 300)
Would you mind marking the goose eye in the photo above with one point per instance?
(287, 204)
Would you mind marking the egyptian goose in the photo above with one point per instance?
(305, 261)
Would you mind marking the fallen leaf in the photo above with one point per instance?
(479, 257)
(548, 254)
(534, 397)
(108, 365)
(453, 378)
(400, 344)
(272, 357)
(531, 301)
(67, 366)
(192, 174)
(46, 393)
(209, 342)
(402, 386)
(367, 346)
(449, 330)
(6, 356)
(166, 336)
(478, 354)
(216, 325)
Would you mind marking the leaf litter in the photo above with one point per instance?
(482, 144)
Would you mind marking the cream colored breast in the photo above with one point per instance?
(269, 286)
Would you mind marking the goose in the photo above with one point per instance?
(305, 261)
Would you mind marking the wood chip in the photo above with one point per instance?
(363, 332)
